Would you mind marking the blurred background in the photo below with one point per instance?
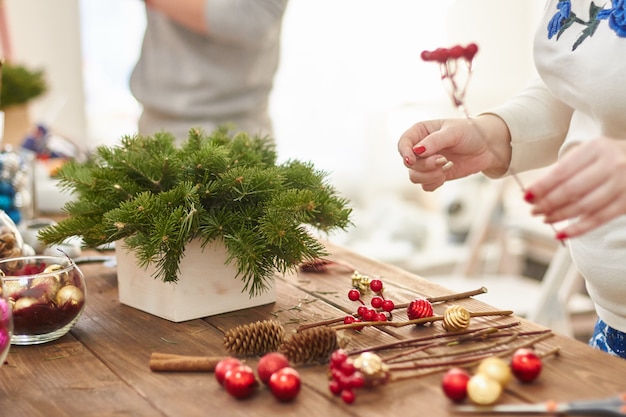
(349, 83)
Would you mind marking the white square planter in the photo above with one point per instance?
(206, 285)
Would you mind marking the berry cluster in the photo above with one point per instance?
(344, 376)
(273, 370)
(442, 55)
(448, 59)
(492, 375)
(380, 305)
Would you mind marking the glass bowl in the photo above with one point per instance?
(46, 294)
(6, 326)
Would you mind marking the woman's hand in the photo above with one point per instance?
(436, 151)
(587, 184)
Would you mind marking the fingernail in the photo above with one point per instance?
(441, 161)
(419, 150)
(529, 197)
(561, 236)
(407, 161)
(447, 166)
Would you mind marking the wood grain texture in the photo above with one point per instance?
(101, 368)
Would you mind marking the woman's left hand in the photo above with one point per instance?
(587, 184)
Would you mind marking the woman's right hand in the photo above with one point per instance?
(436, 151)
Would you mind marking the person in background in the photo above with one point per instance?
(207, 63)
(572, 117)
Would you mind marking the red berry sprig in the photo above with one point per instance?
(381, 307)
(442, 55)
(448, 60)
(344, 377)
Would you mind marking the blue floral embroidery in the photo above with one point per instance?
(617, 17)
(608, 340)
(555, 24)
(565, 18)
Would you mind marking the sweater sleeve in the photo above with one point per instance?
(243, 22)
(538, 124)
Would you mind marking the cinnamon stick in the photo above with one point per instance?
(167, 362)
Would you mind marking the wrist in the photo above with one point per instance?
(498, 142)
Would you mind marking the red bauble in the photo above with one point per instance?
(240, 381)
(419, 308)
(270, 363)
(223, 366)
(526, 365)
(454, 384)
(285, 384)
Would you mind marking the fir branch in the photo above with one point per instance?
(156, 197)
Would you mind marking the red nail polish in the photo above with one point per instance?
(406, 161)
(419, 150)
(561, 236)
(529, 197)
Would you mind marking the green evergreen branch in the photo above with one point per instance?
(157, 197)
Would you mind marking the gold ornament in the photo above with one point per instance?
(483, 390)
(372, 367)
(254, 338)
(69, 296)
(360, 282)
(496, 368)
(456, 318)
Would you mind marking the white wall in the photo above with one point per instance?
(46, 35)
(350, 82)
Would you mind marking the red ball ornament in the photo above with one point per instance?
(419, 308)
(454, 384)
(526, 365)
(285, 384)
(270, 363)
(224, 366)
(240, 381)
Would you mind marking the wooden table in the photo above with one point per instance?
(101, 367)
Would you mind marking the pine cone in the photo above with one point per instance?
(254, 338)
(310, 346)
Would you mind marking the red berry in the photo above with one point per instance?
(369, 315)
(381, 317)
(354, 295)
(377, 302)
(334, 387)
(361, 310)
(454, 384)
(223, 366)
(441, 55)
(457, 52)
(347, 368)
(526, 365)
(376, 285)
(338, 357)
(470, 51)
(358, 329)
(347, 395)
(426, 56)
(285, 384)
(388, 306)
(270, 363)
(240, 381)
(357, 380)
(419, 308)
(349, 320)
